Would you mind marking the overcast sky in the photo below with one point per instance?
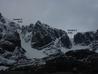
(65, 14)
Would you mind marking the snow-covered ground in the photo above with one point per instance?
(76, 47)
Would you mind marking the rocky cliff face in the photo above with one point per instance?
(84, 38)
(43, 35)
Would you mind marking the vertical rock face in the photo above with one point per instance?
(84, 38)
(66, 42)
(89, 37)
(78, 38)
(42, 34)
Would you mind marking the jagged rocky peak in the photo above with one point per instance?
(27, 28)
(43, 35)
(39, 24)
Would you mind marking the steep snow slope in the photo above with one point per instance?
(30, 52)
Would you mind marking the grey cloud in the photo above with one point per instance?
(64, 14)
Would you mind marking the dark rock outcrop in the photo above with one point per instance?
(13, 37)
(0, 36)
(66, 42)
(43, 34)
(2, 18)
(10, 40)
(84, 38)
(80, 54)
(89, 37)
(78, 38)
(6, 45)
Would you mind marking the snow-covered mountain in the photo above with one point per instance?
(43, 35)
(38, 41)
(41, 40)
(11, 51)
(41, 47)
